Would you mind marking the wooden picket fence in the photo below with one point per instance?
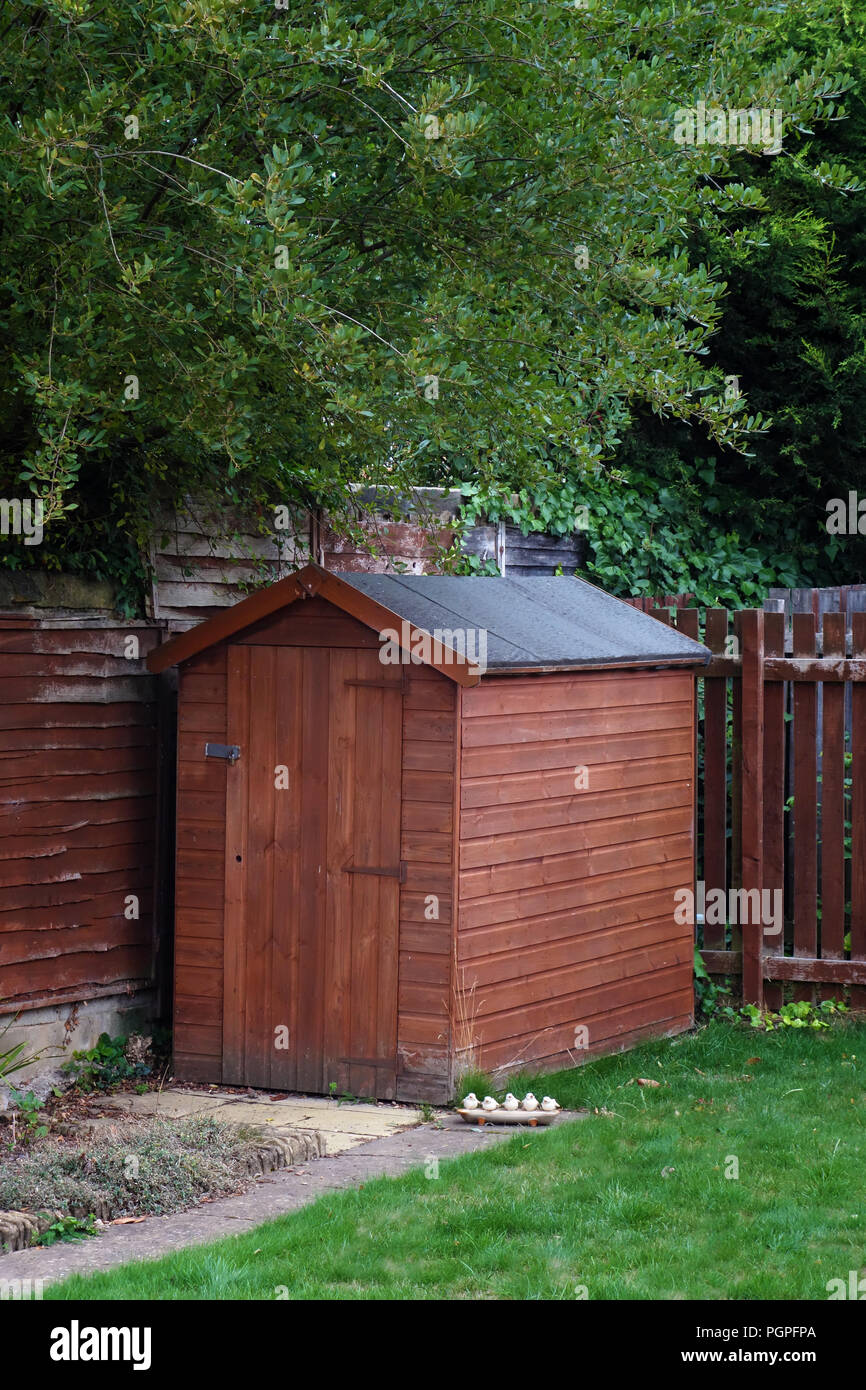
(782, 789)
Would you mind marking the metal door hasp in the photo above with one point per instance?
(229, 751)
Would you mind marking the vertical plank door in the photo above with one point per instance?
(312, 870)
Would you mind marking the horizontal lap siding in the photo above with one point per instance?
(200, 868)
(567, 894)
(427, 848)
(77, 812)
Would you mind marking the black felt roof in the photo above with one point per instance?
(548, 621)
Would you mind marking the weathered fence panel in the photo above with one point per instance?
(204, 558)
(78, 787)
(782, 789)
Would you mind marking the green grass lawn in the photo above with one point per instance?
(633, 1202)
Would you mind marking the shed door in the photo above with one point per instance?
(313, 868)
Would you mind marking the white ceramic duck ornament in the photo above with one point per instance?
(489, 1103)
(510, 1102)
(470, 1102)
(529, 1102)
(548, 1103)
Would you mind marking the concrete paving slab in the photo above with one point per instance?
(173, 1105)
(342, 1126)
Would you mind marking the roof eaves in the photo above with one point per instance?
(309, 582)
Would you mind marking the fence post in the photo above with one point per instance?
(715, 864)
(752, 823)
(858, 807)
(775, 744)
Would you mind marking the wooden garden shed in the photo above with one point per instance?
(428, 821)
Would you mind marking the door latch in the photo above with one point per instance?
(229, 751)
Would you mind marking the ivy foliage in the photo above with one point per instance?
(689, 534)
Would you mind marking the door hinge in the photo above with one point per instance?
(401, 684)
(399, 872)
(229, 751)
(390, 1063)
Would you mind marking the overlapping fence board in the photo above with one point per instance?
(78, 788)
(204, 558)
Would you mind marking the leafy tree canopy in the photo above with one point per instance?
(792, 337)
(270, 250)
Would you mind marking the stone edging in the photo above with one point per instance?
(18, 1229)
